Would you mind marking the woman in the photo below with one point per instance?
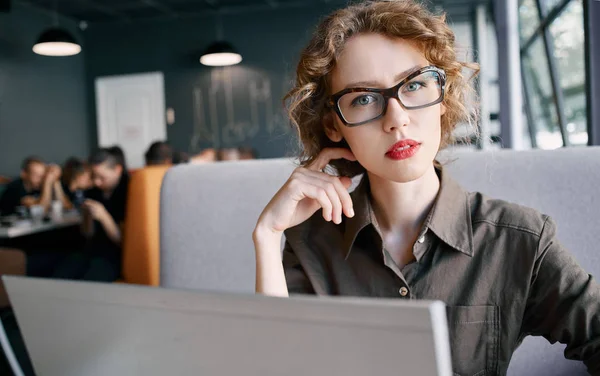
(76, 179)
(379, 91)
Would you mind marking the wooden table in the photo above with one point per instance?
(30, 227)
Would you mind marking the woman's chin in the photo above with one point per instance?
(401, 171)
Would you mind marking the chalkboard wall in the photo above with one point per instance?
(214, 107)
(43, 107)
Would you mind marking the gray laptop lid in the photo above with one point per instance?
(80, 328)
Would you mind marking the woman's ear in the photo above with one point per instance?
(442, 109)
(331, 129)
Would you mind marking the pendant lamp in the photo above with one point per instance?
(220, 53)
(56, 41)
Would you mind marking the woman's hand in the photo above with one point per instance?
(307, 190)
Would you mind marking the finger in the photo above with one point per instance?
(342, 189)
(320, 194)
(334, 198)
(340, 185)
(329, 154)
(317, 193)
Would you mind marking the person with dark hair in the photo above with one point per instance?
(159, 153)
(180, 157)
(34, 187)
(118, 152)
(76, 179)
(103, 215)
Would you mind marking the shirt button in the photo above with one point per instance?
(421, 239)
(403, 291)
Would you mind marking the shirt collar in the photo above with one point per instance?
(449, 219)
(451, 215)
(362, 214)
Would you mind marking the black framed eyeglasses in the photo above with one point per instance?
(421, 89)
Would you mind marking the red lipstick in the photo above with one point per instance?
(403, 149)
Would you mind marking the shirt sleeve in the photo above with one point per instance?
(10, 199)
(119, 201)
(564, 302)
(295, 276)
(120, 208)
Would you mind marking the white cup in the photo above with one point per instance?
(57, 209)
(37, 213)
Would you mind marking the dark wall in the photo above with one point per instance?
(242, 102)
(43, 110)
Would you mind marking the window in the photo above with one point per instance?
(529, 19)
(554, 71)
(548, 5)
(567, 36)
(540, 98)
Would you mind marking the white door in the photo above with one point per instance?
(131, 113)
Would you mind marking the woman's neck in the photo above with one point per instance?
(403, 207)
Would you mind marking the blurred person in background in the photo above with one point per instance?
(180, 157)
(100, 258)
(118, 152)
(76, 179)
(206, 155)
(247, 153)
(103, 216)
(159, 153)
(228, 154)
(34, 187)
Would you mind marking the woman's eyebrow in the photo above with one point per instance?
(397, 78)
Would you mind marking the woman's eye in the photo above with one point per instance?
(364, 100)
(413, 86)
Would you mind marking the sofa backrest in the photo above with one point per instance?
(141, 243)
(209, 212)
(561, 183)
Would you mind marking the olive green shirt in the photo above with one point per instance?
(498, 266)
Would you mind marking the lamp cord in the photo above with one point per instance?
(219, 26)
(56, 13)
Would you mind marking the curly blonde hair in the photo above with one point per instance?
(406, 19)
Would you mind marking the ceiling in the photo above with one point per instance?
(100, 11)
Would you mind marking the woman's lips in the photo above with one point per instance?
(403, 149)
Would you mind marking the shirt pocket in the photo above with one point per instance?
(474, 334)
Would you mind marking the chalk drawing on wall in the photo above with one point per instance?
(202, 132)
(221, 124)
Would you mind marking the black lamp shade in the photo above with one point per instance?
(219, 47)
(56, 42)
(220, 53)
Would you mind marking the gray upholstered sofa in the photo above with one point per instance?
(208, 213)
